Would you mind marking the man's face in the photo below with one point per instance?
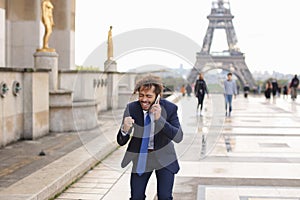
(146, 97)
(229, 77)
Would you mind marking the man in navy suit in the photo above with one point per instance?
(164, 128)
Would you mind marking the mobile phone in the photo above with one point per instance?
(157, 99)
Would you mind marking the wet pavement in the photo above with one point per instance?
(24, 174)
(252, 155)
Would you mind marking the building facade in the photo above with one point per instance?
(21, 32)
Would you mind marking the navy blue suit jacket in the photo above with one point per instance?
(167, 129)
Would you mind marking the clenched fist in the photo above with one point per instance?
(127, 123)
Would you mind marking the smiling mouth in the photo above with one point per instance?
(145, 103)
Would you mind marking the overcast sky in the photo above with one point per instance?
(267, 31)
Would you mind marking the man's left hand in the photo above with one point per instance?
(156, 110)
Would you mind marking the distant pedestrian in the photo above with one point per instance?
(285, 91)
(188, 89)
(255, 90)
(279, 91)
(182, 90)
(229, 91)
(200, 89)
(268, 89)
(294, 86)
(274, 87)
(259, 89)
(246, 90)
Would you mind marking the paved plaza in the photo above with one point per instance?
(252, 155)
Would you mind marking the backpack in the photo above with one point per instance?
(295, 82)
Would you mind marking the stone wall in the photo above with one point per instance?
(126, 86)
(2, 33)
(86, 86)
(63, 37)
(110, 90)
(21, 32)
(11, 110)
(34, 111)
(88, 93)
(24, 115)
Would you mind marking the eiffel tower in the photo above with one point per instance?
(233, 59)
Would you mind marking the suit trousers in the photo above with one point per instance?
(165, 182)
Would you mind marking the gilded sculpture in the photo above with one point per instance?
(110, 45)
(47, 19)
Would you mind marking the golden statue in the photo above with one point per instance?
(110, 45)
(47, 19)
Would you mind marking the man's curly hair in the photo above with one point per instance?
(147, 82)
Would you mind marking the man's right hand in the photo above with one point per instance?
(127, 123)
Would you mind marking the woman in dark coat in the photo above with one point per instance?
(200, 90)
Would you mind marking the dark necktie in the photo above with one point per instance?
(141, 165)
